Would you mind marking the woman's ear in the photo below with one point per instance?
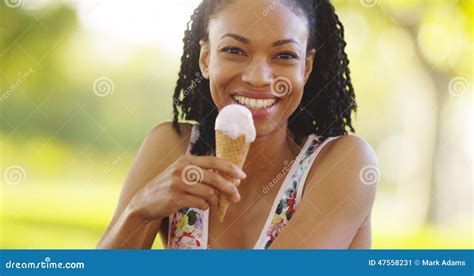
(204, 58)
(309, 65)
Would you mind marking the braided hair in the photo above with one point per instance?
(328, 97)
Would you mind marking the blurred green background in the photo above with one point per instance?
(82, 83)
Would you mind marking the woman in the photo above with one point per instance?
(303, 183)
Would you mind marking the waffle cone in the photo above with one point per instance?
(234, 151)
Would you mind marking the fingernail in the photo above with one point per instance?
(242, 174)
(236, 198)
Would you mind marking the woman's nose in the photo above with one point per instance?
(258, 74)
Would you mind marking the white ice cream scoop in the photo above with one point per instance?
(236, 120)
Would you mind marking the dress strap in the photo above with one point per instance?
(308, 167)
(193, 138)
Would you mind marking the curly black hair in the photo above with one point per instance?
(328, 98)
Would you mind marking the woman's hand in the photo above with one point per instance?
(191, 181)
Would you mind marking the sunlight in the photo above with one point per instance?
(144, 23)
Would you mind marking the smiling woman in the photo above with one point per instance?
(285, 62)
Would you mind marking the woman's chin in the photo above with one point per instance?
(265, 127)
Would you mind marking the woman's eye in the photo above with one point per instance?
(287, 55)
(233, 50)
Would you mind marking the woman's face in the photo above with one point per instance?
(256, 56)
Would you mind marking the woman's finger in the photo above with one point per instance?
(221, 165)
(204, 191)
(187, 200)
(221, 183)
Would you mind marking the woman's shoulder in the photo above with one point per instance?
(347, 164)
(163, 145)
(166, 132)
(165, 137)
(357, 146)
(349, 146)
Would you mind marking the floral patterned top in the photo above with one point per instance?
(188, 228)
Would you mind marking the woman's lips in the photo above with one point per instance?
(262, 112)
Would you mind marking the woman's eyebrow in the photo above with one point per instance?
(236, 37)
(247, 41)
(284, 41)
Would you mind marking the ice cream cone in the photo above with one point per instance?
(235, 131)
(234, 151)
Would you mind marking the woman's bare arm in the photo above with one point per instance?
(161, 147)
(337, 200)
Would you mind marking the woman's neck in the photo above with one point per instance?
(266, 151)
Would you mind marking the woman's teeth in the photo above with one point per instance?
(254, 103)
